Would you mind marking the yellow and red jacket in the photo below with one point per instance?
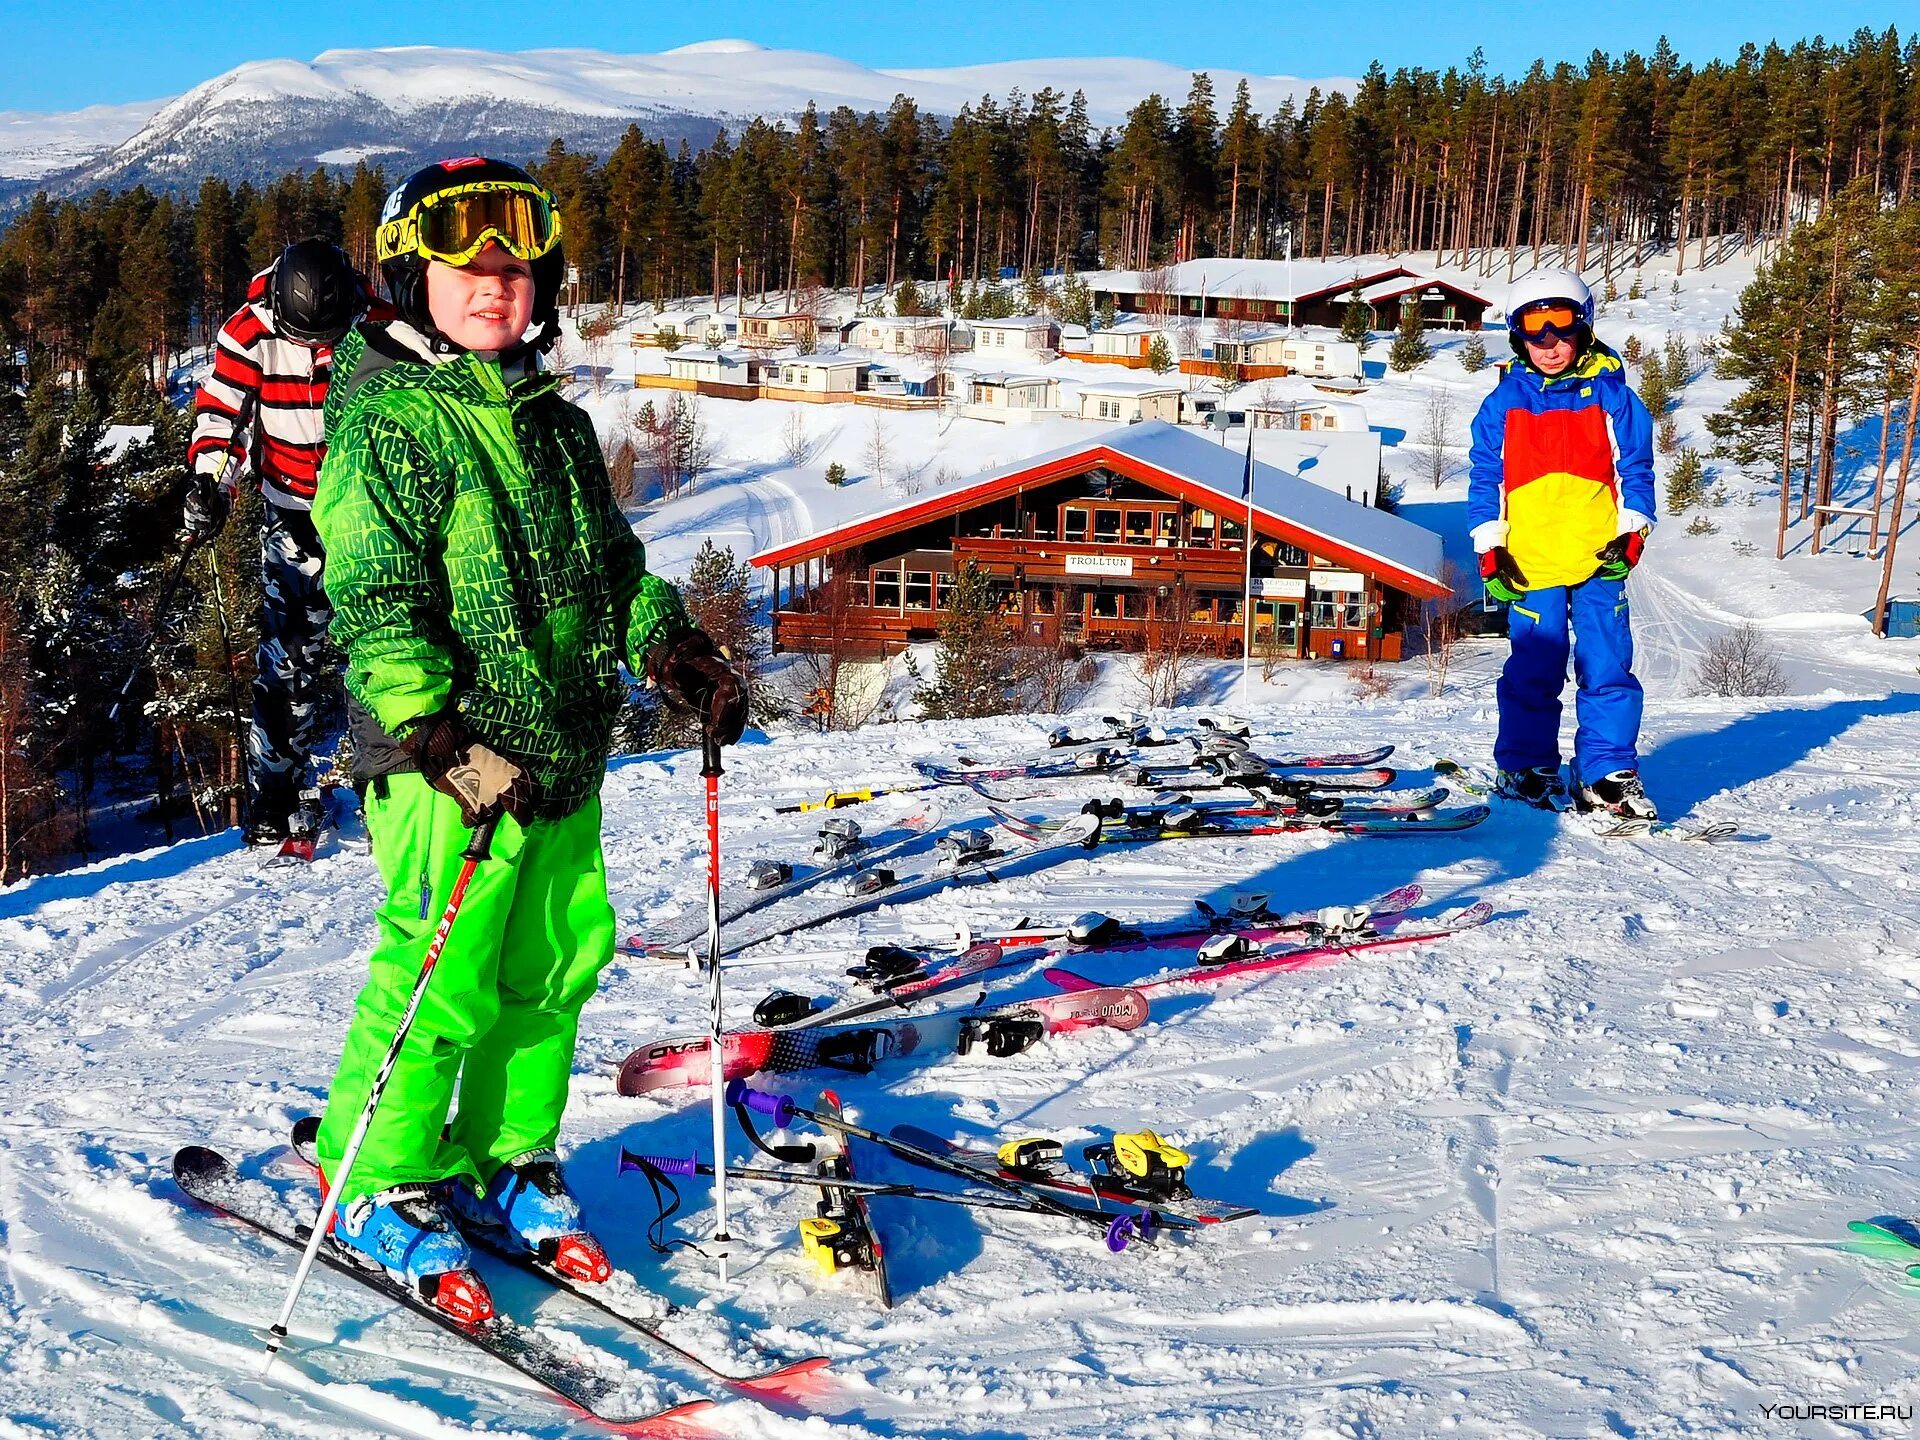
(1559, 466)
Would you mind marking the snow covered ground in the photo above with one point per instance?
(1585, 1171)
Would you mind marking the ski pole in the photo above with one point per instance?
(476, 851)
(716, 1031)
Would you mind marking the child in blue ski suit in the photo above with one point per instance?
(1560, 501)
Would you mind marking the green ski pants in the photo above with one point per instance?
(503, 1008)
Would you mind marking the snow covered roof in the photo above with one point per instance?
(826, 362)
(699, 354)
(1003, 377)
(1244, 279)
(1127, 388)
(1399, 285)
(1346, 462)
(1015, 322)
(1129, 327)
(907, 322)
(1200, 470)
(1268, 279)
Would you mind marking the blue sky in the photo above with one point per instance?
(61, 56)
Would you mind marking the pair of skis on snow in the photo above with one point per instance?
(828, 1040)
(594, 1382)
(1133, 1189)
(1602, 823)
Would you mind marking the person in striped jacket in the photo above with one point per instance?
(260, 410)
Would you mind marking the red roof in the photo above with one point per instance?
(1387, 546)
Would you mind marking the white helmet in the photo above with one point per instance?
(1550, 285)
(1544, 286)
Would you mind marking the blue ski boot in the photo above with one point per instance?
(407, 1229)
(529, 1201)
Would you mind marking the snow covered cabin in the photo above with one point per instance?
(1010, 399)
(905, 334)
(771, 329)
(1124, 344)
(1016, 338)
(1130, 401)
(1096, 542)
(820, 379)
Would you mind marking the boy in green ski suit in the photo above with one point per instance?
(485, 589)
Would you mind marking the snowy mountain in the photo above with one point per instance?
(33, 145)
(404, 106)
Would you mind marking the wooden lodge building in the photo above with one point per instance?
(1272, 292)
(1109, 540)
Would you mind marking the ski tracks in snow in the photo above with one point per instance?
(1578, 1170)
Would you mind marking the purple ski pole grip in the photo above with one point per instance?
(779, 1107)
(665, 1164)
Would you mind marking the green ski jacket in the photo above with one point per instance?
(476, 557)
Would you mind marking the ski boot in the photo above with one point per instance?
(1619, 793)
(528, 1203)
(1537, 785)
(407, 1230)
(266, 830)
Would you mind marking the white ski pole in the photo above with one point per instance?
(475, 852)
(716, 1028)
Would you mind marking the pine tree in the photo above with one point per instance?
(1685, 482)
(1473, 354)
(1159, 354)
(907, 299)
(1356, 321)
(1410, 349)
(976, 662)
(1076, 303)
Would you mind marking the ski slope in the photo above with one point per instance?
(1584, 1171)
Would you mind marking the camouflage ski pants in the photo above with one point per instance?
(289, 677)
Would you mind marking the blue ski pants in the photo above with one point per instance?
(1609, 698)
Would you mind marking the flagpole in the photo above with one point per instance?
(1246, 596)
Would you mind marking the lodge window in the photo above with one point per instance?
(1169, 527)
(1339, 610)
(1106, 604)
(943, 591)
(1233, 531)
(857, 589)
(1285, 554)
(1073, 525)
(1139, 527)
(1106, 527)
(1201, 608)
(1226, 605)
(1200, 528)
(886, 589)
(919, 590)
(1044, 601)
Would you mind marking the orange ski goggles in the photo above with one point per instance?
(1552, 321)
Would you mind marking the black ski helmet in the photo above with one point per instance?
(404, 268)
(316, 294)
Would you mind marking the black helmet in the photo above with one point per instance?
(316, 294)
(450, 211)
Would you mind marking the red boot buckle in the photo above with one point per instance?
(579, 1257)
(463, 1295)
